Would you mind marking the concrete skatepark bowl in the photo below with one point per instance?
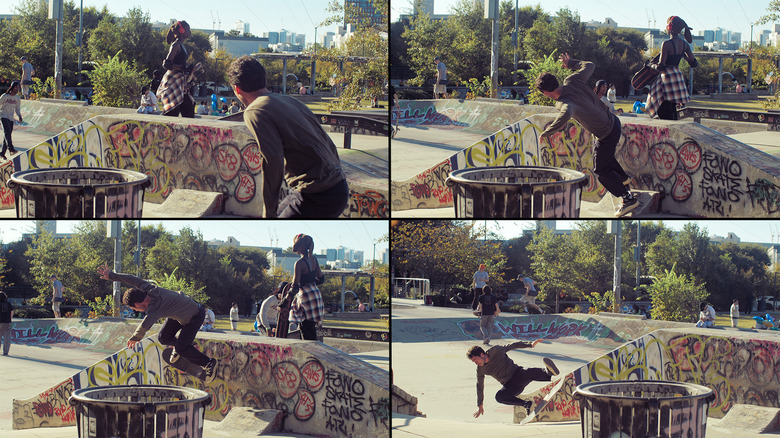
(202, 154)
(693, 170)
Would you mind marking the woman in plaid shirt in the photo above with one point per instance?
(669, 89)
(307, 306)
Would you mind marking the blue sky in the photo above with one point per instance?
(355, 234)
(733, 15)
(760, 231)
(299, 16)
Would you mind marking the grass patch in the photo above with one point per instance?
(705, 102)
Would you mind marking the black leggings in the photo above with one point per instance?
(187, 332)
(507, 395)
(309, 330)
(667, 110)
(8, 129)
(186, 108)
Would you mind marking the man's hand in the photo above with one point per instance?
(565, 60)
(479, 412)
(131, 343)
(535, 342)
(103, 271)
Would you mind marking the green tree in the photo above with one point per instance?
(116, 83)
(553, 255)
(547, 64)
(676, 297)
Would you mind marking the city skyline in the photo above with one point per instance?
(701, 15)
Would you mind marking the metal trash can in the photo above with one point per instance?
(517, 192)
(140, 411)
(79, 192)
(643, 408)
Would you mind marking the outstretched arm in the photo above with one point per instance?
(107, 274)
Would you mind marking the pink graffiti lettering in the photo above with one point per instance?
(252, 158)
(245, 191)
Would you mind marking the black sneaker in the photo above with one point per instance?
(629, 204)
(527, 404)
(552, 370)
(12, 150)
(210, 371)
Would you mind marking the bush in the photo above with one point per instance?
(116, 83)
(676, 297)
(550, 64)
(33, 313)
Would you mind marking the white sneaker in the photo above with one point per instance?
(210, 371)
(627, 205)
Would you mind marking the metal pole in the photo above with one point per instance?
(494, 54)
(616, 276)
(314, 63)
(638, 255)
(58, 56)
(138, 250)
(284, 91)
(81, 32)
(343, 290)
(117, 264)
(516, 40)
(371, 293)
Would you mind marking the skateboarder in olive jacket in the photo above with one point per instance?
(514, 378)
(184, 316)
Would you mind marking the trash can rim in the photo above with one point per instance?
(199, 395)
(575, 175)
(584, 390)
(18, 177)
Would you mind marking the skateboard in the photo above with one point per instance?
(542, 404)
(184, 365)
(283, 323)
(433, 82)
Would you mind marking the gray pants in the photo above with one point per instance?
(5, 333)
(486, 325)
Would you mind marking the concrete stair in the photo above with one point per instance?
(185, 203)
(750, 418)
(243, 422)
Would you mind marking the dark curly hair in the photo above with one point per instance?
(247, 73)
(547, 82)
(475, 351)
(133, 296)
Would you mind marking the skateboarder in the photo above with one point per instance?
(184, 316)
(529, 297)
(514, 378)
(575, 99)
(440, 88)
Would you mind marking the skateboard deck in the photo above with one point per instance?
(541, 405)
(283, 323)
(183, 364)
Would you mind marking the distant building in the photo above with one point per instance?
(286, 261)
(607, 23)
(386, 256)
(242, 27)
(231, 241)
(331, 254)
(238, 45)
(363, 12)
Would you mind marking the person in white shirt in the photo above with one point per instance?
(734, 313)
(706, 316)
(148, 102)
(234, 316)
(601, 90)
(612, 94)
(208, 321)
(269, 314)
(10, 103)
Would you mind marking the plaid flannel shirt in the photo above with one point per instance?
(173, 89)
(669, 86)
(307, 304)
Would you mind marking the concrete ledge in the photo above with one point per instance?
(184, 203)
(623, 315)
(751, 418)
(65, 101)
(255, 422)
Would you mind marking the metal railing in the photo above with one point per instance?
(772, 120)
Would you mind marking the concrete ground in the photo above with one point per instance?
(30, 369)
(439, 374)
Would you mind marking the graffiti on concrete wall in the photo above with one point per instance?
(764, 195)
(426, 190)
(172, 155)
(370, 203)
(71, 333)
(50, 408)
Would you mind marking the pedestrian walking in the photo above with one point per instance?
(56, 297)
(488, 308)
(234, 316)
(6, 315)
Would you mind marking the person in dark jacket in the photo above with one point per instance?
(514, 378)
(6, 314)
(184, 316)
